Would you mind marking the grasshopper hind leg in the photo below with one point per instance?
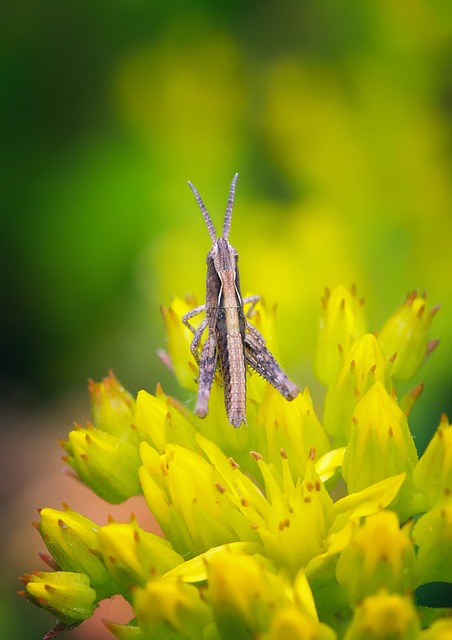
(207, 368)
(265, 364)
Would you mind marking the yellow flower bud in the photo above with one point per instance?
(379, 555)
(439, 630)
(432, 533)
(294, 524)
(112, 407)
(149, 420)
(189, 500)
(170, 609)
(364, 365)
(384, 617)
(406, 333)
(243, 594)
(67, 596)
(104, 462)
(160, 419)
(125, 631)
(71, 539)
(433, 473)
(342, 322)
(289, 426)
(381, 446)
(290, 622)
(134, 556)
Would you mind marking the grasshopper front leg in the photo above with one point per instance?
(194, 346)
(191, 314)
(252, 300)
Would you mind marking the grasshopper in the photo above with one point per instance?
(232, 342)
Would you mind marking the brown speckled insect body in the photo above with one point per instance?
(232, 342)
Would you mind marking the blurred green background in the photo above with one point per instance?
(337, 117)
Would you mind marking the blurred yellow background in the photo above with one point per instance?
(337, 117)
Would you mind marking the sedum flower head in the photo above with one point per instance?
(293, 526)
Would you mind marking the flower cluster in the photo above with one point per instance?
(290, 527)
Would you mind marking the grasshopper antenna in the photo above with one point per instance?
(228, 214)
(204, 212)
